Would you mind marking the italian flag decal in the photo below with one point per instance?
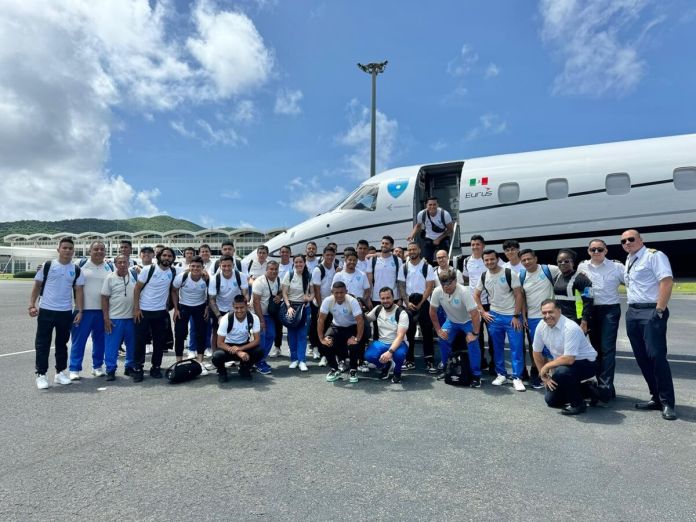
(473, 182)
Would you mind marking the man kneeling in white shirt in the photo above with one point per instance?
(564, 358)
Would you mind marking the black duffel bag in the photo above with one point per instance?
(183, 371)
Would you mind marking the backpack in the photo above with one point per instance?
(183, 371)
(47, 268)
(457, 370)
(249, 318)
(435, 228)
(218, 282)
(544, 268)
(378, 310)
(396, 262)
(322, 269)
(424, 270)
(170, 304)
(508, 278)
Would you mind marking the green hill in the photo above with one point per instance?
(77, 226)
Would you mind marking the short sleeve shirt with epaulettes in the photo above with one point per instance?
(263, 288)
(606, 279)
(153, 297)
(460, 277)
(538, 288)
(94, 280)
(502, 299)
(386, 323)
(119, 290)
(386, 274)
(356, 283)
(239, 333)
(344, 313)
(324, 284)
(647, 268)
(430, 220)
(415, 282)
(191, 293)
(228, 290)
(58, 291)
(456, 305)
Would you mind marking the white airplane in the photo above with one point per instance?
(559, 198)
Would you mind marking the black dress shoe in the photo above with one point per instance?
(110, 376)
(222, 376)
(573, 410)
(137, 375)
(155, 372)
(668, 413)
(652, 404)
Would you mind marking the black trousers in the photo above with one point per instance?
(604, 327)
(569, 389)
(278, 333)
(648, 336)
(313, 337)
(220, 357)
(47, 321)
(482, 344)
(421, 318)
(534, 371)
(181, 329)
(157, 323)
(340, 349)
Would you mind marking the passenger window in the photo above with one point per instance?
(509, 193)
(557, 188)
(685, 178)
(365, 198)
(618, 184)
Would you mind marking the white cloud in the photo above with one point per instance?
(208, 135)
(358, 137)
(318, 201)
(231, 194)
(288, 102)
(244, 112)
(491, 71)
(463, 63)
(489, 124)
(439, 145)
(596, 43)
(65, 66)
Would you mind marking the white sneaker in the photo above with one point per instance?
(61, 378)
(74, 376)
(275, 352)
(293, 365)
(364, 368)
(98, 372)
(315, 354)
(518, 385)
(499, 380)
(323, 362)
(309, 352)
(204, 370)
(342, 367)
(148, 349)
(191, 355)
(303, 367)
(208, 352)
(41, 382)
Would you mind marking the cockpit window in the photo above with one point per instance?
(365, 198)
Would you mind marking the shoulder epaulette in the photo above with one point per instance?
(652, 250)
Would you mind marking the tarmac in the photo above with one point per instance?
(291, 446)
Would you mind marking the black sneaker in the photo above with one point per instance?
(430, 367)
(387, 371)
(475, 382)
(137, 375)
(536, 383)
(408, 365)
(245, 373)
(128, 372)
(222, 376)
(110, 376)
(155, 372)
(441, 376)
(396, 378)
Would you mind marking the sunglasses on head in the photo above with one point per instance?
(596, 250)
(629, 239)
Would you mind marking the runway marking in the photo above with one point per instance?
(16, 353)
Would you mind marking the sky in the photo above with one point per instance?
(254, 112)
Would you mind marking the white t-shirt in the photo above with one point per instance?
(415, 283)
(239, 334)
(386, 323)
(566, 338)
(365, 266)
(228, 289)
(263, 288)
(502, 299)
(441, 219)
(460, 277)
(344, 314)
(191, 293)
(119, 290)
(537, 288)
(386, 274)
(456, 305)
(94, 280)
(515, 268)
(312, 263)
(58, 292)
(295, 290)
(324, 284)
(284, 269)
(356, 283)
(153, 297)
(208, 267)
(255, 269)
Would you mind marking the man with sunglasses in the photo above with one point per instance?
(648, 278)
(606, 277)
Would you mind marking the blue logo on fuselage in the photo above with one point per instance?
(396, 188)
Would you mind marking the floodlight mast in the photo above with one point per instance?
(373, 69)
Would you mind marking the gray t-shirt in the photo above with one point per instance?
(500, 296)
(386, 323)
(344, 314)
(456, 305)
(537, 288)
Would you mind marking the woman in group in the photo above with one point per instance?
(569, 286)
(297, 294)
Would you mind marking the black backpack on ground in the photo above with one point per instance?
(457, 371)
(183, 371)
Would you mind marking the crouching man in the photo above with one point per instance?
(238, 339)
(388, 351)
(571, 361)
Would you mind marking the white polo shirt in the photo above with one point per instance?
(344, 314)
(456, 305)
(58, 291)
(263, 288)
(119, 290)
(239, 334)
(606, 279)
(566, 338)
(94, 281)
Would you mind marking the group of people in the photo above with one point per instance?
(363, 311)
